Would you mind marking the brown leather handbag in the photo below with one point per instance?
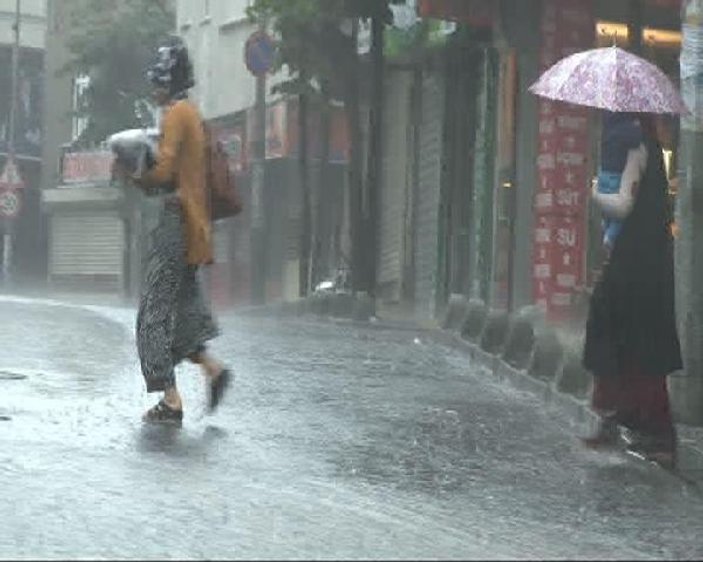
(220, 182)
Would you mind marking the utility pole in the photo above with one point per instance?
(15, 76)
(258, 170)
(305, 227)
(8, 237)
(687, 391)
(356, 181)
(375, 157)
(258, 166)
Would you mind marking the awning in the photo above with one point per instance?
(479, 13)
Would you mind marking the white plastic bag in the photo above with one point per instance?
(135, 149)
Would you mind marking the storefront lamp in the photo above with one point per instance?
(661, 38)
(611, 33)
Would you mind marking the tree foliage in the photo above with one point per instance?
(315, 42)
(112, 42)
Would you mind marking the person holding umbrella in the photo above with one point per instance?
(631, 343)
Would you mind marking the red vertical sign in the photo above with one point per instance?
(562, 166)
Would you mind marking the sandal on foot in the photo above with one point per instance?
(218, 387)
(163, 413)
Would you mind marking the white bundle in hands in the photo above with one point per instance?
(135, 149)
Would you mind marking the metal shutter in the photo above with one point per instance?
(87, 246)
(428, 196)
(396, 177)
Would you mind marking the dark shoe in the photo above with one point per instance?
(218, 387)
(606, 436)
(665, 459)
(163, 413)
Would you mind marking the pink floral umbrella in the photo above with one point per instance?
(612, 79)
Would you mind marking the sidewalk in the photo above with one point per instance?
(76, 297)
(690, 446)
(575, 404)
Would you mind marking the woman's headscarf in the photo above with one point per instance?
(172, 70)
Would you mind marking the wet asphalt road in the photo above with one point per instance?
(335, 442)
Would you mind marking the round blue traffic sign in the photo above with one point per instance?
(259, 53)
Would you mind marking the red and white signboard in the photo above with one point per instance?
(10, 203)
(562, 166)
(10, 185)
(10, 178)
(558, 262)
(85, 167)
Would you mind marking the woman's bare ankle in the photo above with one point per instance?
(172, 398)
(211, 367)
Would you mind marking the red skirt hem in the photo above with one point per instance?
(638, 401)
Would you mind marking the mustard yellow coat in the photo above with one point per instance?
(181, 159)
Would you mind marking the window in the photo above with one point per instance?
(81, 83)
(57, 17)
(237, 9)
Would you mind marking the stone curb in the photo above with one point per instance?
(577, 409)
(575, 405)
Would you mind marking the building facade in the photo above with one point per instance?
(532, 237)
(216, 33)
(27, 227)
(94, 235)
(484, 187)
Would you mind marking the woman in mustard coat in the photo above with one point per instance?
(174, 321)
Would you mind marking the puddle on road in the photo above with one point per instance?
(11, 376)
(181, 441)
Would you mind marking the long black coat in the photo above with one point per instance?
(632, 314)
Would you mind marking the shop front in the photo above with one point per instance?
(453, 217)
(26, 226)
(556, 145)
(282, 199)
(87, 226)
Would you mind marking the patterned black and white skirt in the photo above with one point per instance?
(173, 321)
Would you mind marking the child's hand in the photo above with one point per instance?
(674, 185)
(594, 186)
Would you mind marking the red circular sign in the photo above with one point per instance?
(10, 203)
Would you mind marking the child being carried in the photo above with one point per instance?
(621, 133)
